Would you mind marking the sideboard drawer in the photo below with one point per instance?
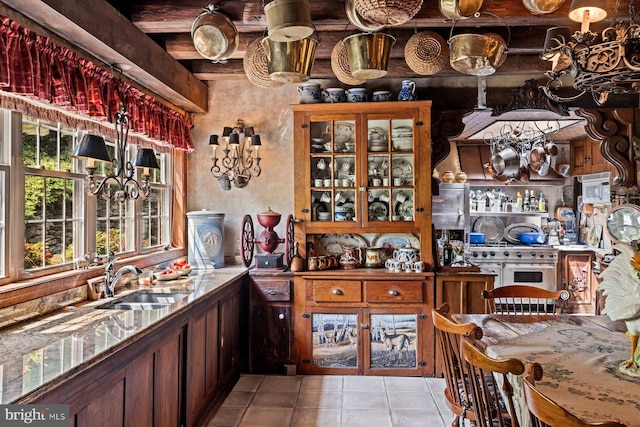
(337, 290)
(273, 289)
(389, 291)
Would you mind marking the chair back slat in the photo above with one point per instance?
(519, 299)
(545, 412)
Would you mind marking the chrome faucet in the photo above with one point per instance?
(111, 278)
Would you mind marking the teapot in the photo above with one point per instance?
(406, 254)
(351, 257)
(374, 256)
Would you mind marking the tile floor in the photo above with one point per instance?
(334, 401)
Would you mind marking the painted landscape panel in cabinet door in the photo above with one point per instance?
(393, 341)
(335, 340)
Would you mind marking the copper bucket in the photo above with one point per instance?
(288, 20)
(290, 62)
(368, 54)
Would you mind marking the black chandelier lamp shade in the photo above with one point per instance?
(91, 148)
(146, 158)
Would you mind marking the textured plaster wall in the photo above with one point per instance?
(267, 110)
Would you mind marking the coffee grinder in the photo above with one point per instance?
(268, 241)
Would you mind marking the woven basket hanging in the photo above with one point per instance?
(340, 66)
(255, 66)
(388, 12)
(426, 53)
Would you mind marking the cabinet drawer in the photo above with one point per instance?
(273, 289)
(386, 291)
(337, 290)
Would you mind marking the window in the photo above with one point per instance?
(43, 199)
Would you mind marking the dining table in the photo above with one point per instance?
(579, 357)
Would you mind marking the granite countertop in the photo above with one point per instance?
(36, 352)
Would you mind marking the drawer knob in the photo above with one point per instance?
(393, 292)
(336, 292)
(364, 326)
(281, 316)
(271, 292)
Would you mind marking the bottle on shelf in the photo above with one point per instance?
(448, 251)
(542, 203)
(525, 201)
(518, 202)
(533, 203)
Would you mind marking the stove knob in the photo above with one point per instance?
(533, 254)
(492, 253)
(505, 253)
(518, 254)
(484, 254)
(551, 255)
(474, 254)
(541, 255)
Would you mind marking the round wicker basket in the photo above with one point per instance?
(426, 53)
(388, 12)
(340, 65)
(255, 66)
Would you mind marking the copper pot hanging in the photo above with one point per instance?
(288, 20)
(369, 54)
(214, 36)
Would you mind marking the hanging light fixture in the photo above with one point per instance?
(603, 64)
(239, 162)
(120, 185)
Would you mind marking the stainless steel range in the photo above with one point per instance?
(531, 265)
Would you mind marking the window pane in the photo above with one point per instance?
(55, 198)
(33, 197)
(54, 243)
(29, 141)
(34, 255)
(66, 150)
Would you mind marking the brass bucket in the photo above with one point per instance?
(476, 54)
(290, 62)
(288, 20)
(368, 54)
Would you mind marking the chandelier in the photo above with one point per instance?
(602, 64)
(240, 160)
(120, 184)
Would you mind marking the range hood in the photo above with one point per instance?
(474, 156)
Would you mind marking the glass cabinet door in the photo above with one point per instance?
(333, 171)
(393, 341)
(390, 170)
(334, 340)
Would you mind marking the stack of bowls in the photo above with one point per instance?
(402, 138)
(377, 141)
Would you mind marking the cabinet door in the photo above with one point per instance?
(270, 338)
(577, 279)
(230, 337)
(168, 382)
(394, 341)
(579, 153)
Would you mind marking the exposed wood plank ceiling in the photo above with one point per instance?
(154, 36)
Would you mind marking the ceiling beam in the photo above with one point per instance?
(98, 29)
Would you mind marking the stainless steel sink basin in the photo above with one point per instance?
(145, 301)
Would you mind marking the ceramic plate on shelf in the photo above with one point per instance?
(343, 132)
(406, 208)
(344, 167)
(395, 241)
(378, 210)
(401, 168)
(512, 232)
(491, 226)
(331, 244)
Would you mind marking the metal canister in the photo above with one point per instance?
(206, 239)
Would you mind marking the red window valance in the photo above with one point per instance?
(33, 66)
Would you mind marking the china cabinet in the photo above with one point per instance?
(363, 166)
(369, 323)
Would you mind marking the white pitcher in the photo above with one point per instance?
(408, 91)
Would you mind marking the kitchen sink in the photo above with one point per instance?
(145, 301)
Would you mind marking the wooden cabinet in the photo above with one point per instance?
(463, 291)
(270, 328)
(363, 166)
(576, 276)
(372, 323)
(586, 157)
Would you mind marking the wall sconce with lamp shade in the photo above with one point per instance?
(240, 159)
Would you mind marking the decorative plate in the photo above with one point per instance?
(406, 208)
(395, 241)
(401, 168)
(343, 132)
(491, 226)
(512, 232)
(344, 167)
(331, 244)
(594, 236)
(379, 133)
(623, 224)
(378, 210)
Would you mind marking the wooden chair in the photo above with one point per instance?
(518, 299)
(448, 335)
(491, 390)
(545, 412)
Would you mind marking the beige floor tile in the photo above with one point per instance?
(441, 401)
(410, 418)
(276, 399)
(320, 399)
(360, 383)
(227, 417)
(321, 383)
(364, 400)
(238, 399)
(418, 401)
(406, 384)
(267, 417)
(365, 418)
(248, 383)
(316, 417)
(281, 383)
(436, 384)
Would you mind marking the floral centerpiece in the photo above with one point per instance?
(621, 286)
